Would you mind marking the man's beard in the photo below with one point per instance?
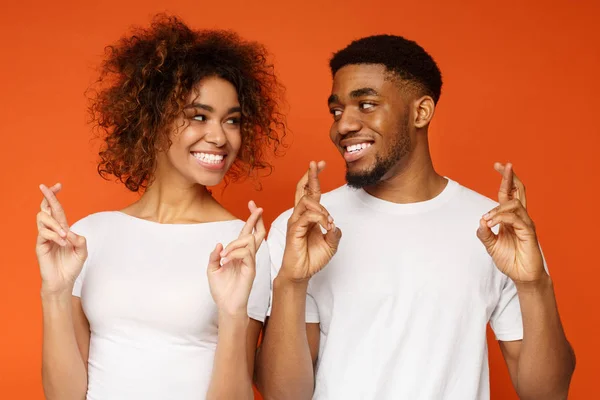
(370, 177)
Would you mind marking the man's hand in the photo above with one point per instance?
(515, 249)
(307, 248)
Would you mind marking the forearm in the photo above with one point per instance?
(230, 378)
(285, 367)
(64, 373)
(546, 362)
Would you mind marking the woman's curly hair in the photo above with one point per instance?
(145, 82)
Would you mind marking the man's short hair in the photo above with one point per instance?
(402, 57)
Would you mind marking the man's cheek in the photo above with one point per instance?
(333, 134)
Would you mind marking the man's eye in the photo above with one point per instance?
(336, 113)
(366, 106)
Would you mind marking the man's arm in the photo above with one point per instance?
(290, 346)
(542, 364)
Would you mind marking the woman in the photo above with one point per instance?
(128, 310)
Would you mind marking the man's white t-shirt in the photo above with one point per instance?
(404, 304)
(145, 293)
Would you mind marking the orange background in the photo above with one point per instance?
(521, 84)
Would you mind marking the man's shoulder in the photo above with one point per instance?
(473, 200)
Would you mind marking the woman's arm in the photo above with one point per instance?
(231, 272)
(61, 255)
(234, 359)
(65, 347)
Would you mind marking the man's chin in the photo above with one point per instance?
(361, 179)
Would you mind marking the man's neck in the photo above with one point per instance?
(413, 180)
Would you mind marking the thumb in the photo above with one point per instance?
(332, 237)
(79, 245)
(486, 236)
(214, 260)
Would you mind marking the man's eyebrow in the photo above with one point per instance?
(366, 91)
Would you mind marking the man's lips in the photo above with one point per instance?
(355, 151)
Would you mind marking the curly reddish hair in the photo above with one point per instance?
(145, 83)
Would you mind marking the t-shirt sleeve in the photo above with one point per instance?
(258, 302)
(506, 320)
(82, 228)
(276, 241)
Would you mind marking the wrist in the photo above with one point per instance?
(235, 322)
(53, 290)
(240, 314)
(540, 285)
(50, 294)
(281, 281)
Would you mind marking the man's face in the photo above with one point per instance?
(371, 122)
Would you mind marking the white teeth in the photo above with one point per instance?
(209, 158)
(357, 147)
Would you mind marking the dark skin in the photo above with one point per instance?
(367, 105)
(371, 108)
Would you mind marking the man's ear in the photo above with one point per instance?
(424, 109)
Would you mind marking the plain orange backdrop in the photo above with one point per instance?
(521, 85)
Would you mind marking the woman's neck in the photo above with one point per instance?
(165, 201)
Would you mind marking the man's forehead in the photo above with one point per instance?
(357, 76)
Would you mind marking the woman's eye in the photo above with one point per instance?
(233, 121)
(200, 117)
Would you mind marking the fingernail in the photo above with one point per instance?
(223, 253)
(490, 223)
(486, 216)
(63, 233)
(224, 260)
(330, 218)
(63, 243)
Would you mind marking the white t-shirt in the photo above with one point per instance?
(145, 293)
(404, 304)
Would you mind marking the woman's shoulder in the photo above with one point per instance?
(94, 222)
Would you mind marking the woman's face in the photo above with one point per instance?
(205, 148)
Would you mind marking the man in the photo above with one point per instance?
(399, 310)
